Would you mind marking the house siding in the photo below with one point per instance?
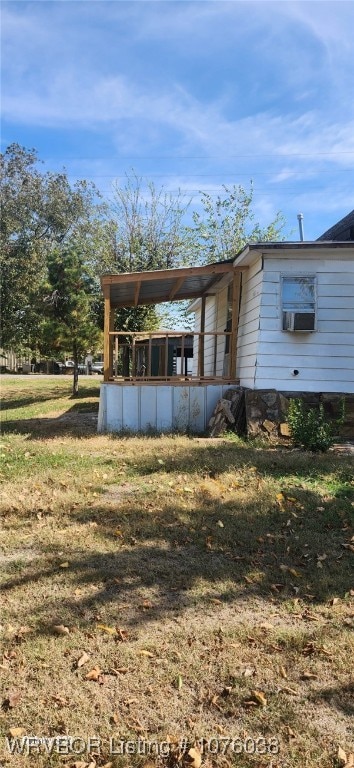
(249, 324)
(324, 358)
(215, 320)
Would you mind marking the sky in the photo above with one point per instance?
(189, 95)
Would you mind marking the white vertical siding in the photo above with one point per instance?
(325, 357)
(197, 314)
(215, 320)
(160, 408)
(249, 324)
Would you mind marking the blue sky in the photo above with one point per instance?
(192, 95)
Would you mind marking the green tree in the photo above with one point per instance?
(149, 233)
(69, 317)
(39, 212)
(227, 224)
(150, 227)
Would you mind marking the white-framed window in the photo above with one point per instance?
(298, 303)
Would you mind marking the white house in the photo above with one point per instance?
(279, 316)
(295, 326)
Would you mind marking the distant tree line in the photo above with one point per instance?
(58, 237)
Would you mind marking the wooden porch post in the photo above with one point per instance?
(201, 339)
(106, 338)
(236, 288)
(111, 342)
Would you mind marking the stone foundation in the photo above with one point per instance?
(264, 412)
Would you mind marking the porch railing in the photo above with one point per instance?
(155, 356)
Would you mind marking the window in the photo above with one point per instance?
(298, 303)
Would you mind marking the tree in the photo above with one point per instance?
(150, 229)
(227, 224)
(69, 320)
(149, 233)
(39, 211)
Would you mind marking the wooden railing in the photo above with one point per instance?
(155, 356)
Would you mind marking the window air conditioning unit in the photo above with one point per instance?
(299, 321)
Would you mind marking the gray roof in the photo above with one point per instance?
(343, 230)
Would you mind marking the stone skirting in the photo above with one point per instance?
(264, 412)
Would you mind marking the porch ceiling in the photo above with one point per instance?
(136, 288)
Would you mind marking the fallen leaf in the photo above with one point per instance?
(119, 671)
(309, 676)
(148, 654)
(12, 699)
(16, 733)
(282, 671)
(83, 660)
(160, 461)
(64, 565)
(260, 698)
(79, 764)
(61, 629)
(220, 524)
(248, 672)
(178, 682)
(105, 628)
(194, 757)
(94, 674)
(291, 691)
(341, 756)
(335, 600)
(295, 573)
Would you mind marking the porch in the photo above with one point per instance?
(166, 380)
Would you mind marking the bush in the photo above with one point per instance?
(309, 426)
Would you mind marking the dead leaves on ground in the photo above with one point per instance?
(258, 698)
(95, 675)
(61, 629)
(84, 658)
(12, 699)
(345, 760)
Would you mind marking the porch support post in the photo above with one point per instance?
(111, 342)
(201, 339)
(106, 337)
(236, 288)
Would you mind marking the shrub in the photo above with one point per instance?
(309, 426)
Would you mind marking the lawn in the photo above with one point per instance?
(169, 589)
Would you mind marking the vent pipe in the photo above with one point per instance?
(300, 218)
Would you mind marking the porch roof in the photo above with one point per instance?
(135, 288)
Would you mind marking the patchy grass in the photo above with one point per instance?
(209, 583)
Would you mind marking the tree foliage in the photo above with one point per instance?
(150, 227)
(58, 238)
(69, 317)
(39, 212)
(148, 232)
(227, 223)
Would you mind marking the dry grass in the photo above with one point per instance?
(193, 573)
